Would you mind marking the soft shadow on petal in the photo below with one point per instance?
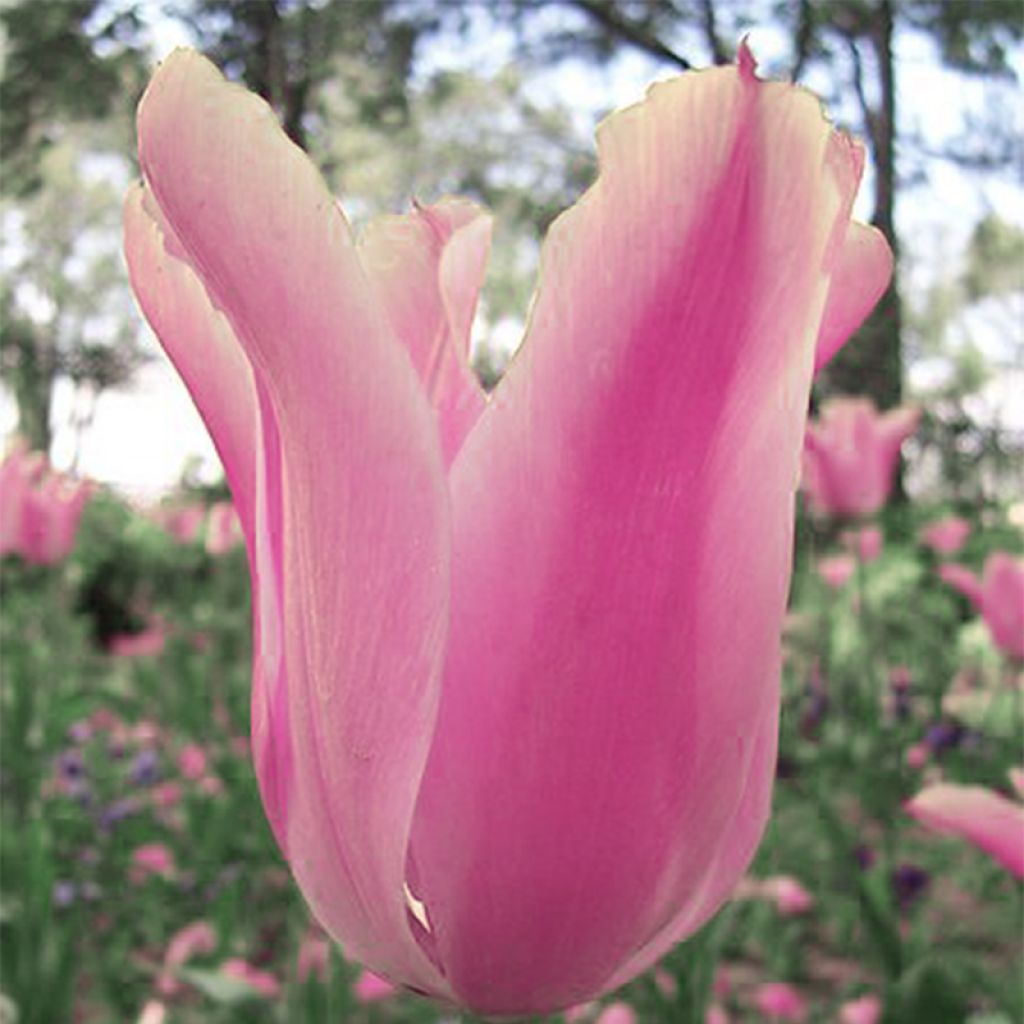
(361, 531)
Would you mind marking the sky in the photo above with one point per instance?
(141, 438)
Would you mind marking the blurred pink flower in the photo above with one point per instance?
(154, 1012)
(865, 543)
(837, 570)
(262, 981)
(987, 819)
(192, 761)
(223, 530)
(789, 896)
(721, 986)
(194, 939)
(211, 785)
(917, 755)
(152, 859)
(617, 1013)
(146, 644)
(779, 1001)
(850, 456)
(716, 1014)
(40, 510)
(314, 957)
(369, 988)
(946, 536)
(865, 1010)
(181, 522)
(166, 794)
(452, 594)
(666, 982)
(998, 596)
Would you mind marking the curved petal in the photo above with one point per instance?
(982, 817)
(1003, 602)
(427, 268)
(860, 278)
(352, 517)
(961, 578)
(622, 523)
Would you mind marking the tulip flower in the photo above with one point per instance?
(946, 536)
(851, 454)
(147, 643)
(790, 897)
(866, 543)
(262, 982)
(314, 958)
(369, 988)
(617, 1013)
(223, 530)
(181, 522)
(998, 596)
(39, 510)
(779, 1001)
(865, 1010)
(990, 821)
(194, 939)
(837, 570)
(515, 688)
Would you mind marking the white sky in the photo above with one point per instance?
(141, 438)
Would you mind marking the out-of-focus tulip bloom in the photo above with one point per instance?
(477, 621)
(314, 957)
(194, 939)
(716, 1014)
(146, 644)
(192, 761)
(617, 1013)
(866, 543)
(865, 1010)
(154, 1012)
(223, 530)
(998, 596)
(152, 859)
(990, 821)
(850, 456)
(262, 981)
(666, 983)
(369, 988)
(837, 570)
(917, 756)
(779, 1001)
(182, 522)
(40, 510)
(789, 896)
(946, 536)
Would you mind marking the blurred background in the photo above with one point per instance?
(140, 881)
(396, 99)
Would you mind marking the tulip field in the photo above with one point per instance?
(657, 678)
(132, 816)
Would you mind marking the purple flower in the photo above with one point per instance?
(70, 765)
(63, 893)
(908, 884)
(944, 736)
(145, 768)
(864, 856)
(118, 811)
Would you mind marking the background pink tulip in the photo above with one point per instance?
(947, 536)
(850, 456)
(182, 522)
(194, 939)
(837, 570)
(314, 957)
(789, 896)
(865, 1010)
(617, 1013)
(223, 530)
(262, 982)
(40, 510)
(990, 821)
(866, 543)
(998, 596)
(779, 1001)
(477, 621)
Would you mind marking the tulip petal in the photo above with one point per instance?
(982, 817)
(860, 277)
(622, 522)
(351, 516)
(427, 268)
(961, 578)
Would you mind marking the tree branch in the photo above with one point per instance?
(803, 38)
(606, 15)
(718, 54)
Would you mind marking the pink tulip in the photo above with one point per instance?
(182, 522)
(39, 510)
(716, 1014)
(779, 1001)
(192, 761)
(152, 859)
(666, 983)
(866, 1010)
(946, 536)
(998, 596)
(917, 756)
(837, 570)
(166, 795)
(866, 543)
(477, 621)
(850, 456)
(154, 1012)
(314, 957)
(223, 530)
(147, 644)
(790, 898)
(369, 988)
(194, 939)
(262, 981)
(983, 817)
(617, 1013)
